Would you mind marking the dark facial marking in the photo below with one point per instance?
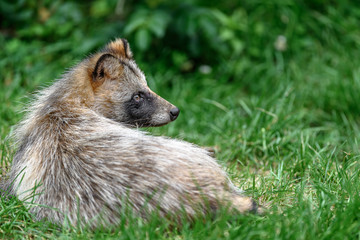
(140, 109)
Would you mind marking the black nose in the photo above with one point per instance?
(174, 113)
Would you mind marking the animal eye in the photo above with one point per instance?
(137, 97)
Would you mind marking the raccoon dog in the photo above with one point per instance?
(79, 156)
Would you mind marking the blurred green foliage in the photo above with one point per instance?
(195, 30)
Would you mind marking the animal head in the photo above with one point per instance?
(121, 92)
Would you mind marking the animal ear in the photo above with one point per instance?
(120, 47)
(107, 66)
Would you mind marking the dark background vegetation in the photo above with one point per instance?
(272, 85)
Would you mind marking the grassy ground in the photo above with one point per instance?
(287, 131)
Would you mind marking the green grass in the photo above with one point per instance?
(286, 127)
